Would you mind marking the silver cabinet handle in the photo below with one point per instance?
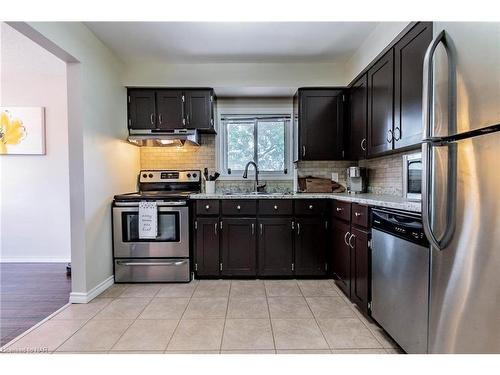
(311, 207)
(184, 121)
(350, 238)
(125, 263)
(298, 229)
(207, 207)
(238, 207)
(339, 209)
(303, 151)
(160, 118)
(275, 207)
(363, 141)
(261, 228)
(345, 238)
(397, 137)
(357, 214)
(253, 229)
(389, 136)
(215, 228)
(187, 117)
(152, 118)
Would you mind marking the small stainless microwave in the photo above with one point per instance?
(412, 176)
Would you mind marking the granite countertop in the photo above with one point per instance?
(388, 201)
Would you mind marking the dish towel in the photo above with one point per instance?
(148, 220)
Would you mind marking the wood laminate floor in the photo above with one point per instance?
(29, 292)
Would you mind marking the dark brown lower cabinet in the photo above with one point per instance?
(238, 246)
(275, 250)
(207, 246)
(351, 257)
(360, 268)
(341, 264)
(310, 246)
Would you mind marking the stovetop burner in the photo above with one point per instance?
(164, 185)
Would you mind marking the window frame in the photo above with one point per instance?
(263, 175)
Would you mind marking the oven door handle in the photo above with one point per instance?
(177, 263)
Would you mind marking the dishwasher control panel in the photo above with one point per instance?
(405, 225)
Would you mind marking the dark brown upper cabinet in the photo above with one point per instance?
(170, 109)
(409, 55)
(318, 124)
(358, 110)
(380, 105)
(165, 109)
(199, 107)
(141, 109)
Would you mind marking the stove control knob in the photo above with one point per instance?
(144, 175)
(194, 175)
(150, 175)
(188, 175)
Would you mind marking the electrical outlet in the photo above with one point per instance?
(335, 177)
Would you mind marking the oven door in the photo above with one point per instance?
(172, 240)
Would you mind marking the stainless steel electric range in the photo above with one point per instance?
(166, 257)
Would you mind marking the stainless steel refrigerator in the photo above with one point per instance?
(461, 186)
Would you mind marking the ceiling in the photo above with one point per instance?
(226, 42)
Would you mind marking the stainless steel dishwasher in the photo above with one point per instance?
(400, 277)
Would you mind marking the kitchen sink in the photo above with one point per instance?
(255, 193)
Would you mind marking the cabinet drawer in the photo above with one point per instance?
(359, 215)
(310, 207)
(239, 207)
(207, 207)
(275, 207)
(341, 210)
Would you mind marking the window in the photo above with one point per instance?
(262, 139)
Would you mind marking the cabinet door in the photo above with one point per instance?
(358, 110)
(320, 124)
(341, 255)
(239, 246)
(409, 55)
(380, 105)
(141, 109)
(198, 109)
(206, 249)
(310, 246)
(169, 109)
(275, 246)
(360, 269)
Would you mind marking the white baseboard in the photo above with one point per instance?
(34, 260)
(76, 297)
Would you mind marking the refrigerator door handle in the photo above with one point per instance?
(427, 91)
(429, 138)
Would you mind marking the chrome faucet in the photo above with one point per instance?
(258, 188)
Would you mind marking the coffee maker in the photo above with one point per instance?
(357, 180)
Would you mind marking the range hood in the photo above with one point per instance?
(177, 137)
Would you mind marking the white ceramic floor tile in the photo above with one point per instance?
(165, 308)
(289, 308)
(141, 290)
(282, 288)
(247, 308)
(123, 308)
(147, 335)
(205, 308)
(297, 334)
(247, 334)
(212, 288)
(178, 290)
(199, 334)
(83, 311)
(330, 307)
(348, 333)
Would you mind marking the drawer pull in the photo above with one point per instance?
(339, 209)
(357, 214)
(311, 207)
(238, 207)
(275, 207)
(207, 207)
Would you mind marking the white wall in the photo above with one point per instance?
(102, 163)
(35, 212)
(379, 38)
(230, 77)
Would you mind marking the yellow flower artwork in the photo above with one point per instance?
(12, 131)
(22, 130)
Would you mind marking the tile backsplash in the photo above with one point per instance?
(385, 174)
